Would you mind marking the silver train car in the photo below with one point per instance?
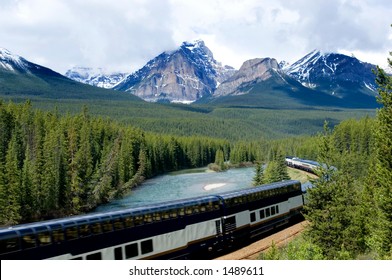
(183, 229)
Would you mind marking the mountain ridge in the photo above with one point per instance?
(22, 78)
(190, 74)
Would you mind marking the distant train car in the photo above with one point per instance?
(187, 228)
(303, 164)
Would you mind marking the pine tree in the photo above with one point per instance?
(333, 207)
(11, 191)
(220, 160)
(258, 179)
(381, 171)
(276, 169)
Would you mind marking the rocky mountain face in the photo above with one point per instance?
(184, 75)
(252, 71)
(350, 82)
(96, 77)
(336, 74)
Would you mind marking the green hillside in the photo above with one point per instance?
(285, 93)
(49, 84)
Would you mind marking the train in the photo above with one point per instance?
(190, 228)
(303, 164)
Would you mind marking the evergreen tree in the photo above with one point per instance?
(276, 169)
(220, 160)
(333, 207)
(381, 171)
(11, 191)
(258, 179)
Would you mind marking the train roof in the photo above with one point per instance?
(303, 160)
(103, 216)
(264, 187)
(160, 206)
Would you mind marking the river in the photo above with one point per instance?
(183, 184)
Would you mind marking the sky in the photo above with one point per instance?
(123, 35)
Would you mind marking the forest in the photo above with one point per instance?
(52, 165)
(55, 164)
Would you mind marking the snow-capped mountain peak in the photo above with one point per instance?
(12, 62)
(335, 73)
(95, 76)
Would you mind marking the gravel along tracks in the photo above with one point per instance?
(252, 251)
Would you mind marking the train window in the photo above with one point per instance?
(77, 259)
(267, 212)
(262, 214)
(173, 213)
(9, 245)
(203, 208)
(58, 235)
(188, 211)
(138, 220)
(147, 218)
(131, 251)
(196, 209)
(118, 253)
(71, 233)
(96, 228)
(128, 221)
(277, 209)
(118, 224)
(107, 226)
(156, 216)
(209, 206)
(181, 211)
(273, 210)
(165, 215)
(28, 241)
(146, 246)
(95, 256)
(84, 230)
(252, 217)
(44, 238)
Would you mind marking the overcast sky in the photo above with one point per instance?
(124, 34)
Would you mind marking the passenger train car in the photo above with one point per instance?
(303, 164)
(182, 229)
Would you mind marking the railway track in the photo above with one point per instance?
(252, 251)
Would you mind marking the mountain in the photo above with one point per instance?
(16, 64)
(262, 83)
(251, 71)
(183, 75)
(339, 75)
(318, 79)
(95, 76)
(22, 78)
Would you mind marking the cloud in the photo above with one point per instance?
(125, 34)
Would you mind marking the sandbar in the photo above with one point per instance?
(213, 186)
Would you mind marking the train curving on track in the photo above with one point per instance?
(303, 164)
(181, 229)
